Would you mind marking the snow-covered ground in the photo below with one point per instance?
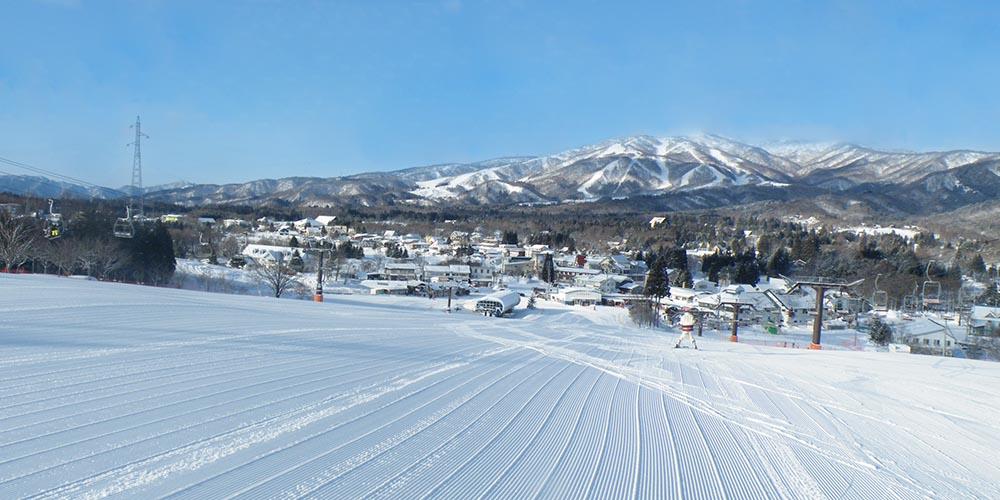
(118, 389)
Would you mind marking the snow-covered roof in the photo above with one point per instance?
(792, 301)
(260, 250)
(620, 260)
(507, 298)
(453, 269)
(307, 222)
(577, 270)
(985, 313)
(579, 293)
(388, 284)
(409, 266)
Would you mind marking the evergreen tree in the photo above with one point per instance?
(548, 269)
(683, 279)
(954, 271)
(151, 255)
(879, 331)
(510, 238)
(657, 282)
(779, 263)
(747, 272)
(977, 266)
(989, 297)
(677, 259)
(293, 242)
(296, 263)
(764, 245)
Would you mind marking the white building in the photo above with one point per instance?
(931, 335)
(570, 274)
(326, 220)
(600, 282)
(796, 308)
(269, 254)
(984, 319)
(235, 223)
(401, 271)
(386, 287)
(303, 224)
(579, 296)
(453, 272)
(481, 273)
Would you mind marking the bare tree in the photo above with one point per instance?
(210, 239)
(110, 257)
(213, 278)
(63, 253)
(230, 246)
(185, 241)
(277, 276)
(352, 269)
(16, 240)
(87, 255)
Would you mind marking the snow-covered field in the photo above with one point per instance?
(117, 389)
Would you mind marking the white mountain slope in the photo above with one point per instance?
(860, 164)
(635, 165)
(112, 389)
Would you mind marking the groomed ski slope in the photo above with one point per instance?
(121, 390)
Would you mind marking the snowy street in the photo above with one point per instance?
(111, 389)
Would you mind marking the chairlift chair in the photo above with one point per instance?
(53, 223)
(910, 301)
(931, 290)
(880, 298)
(123, 226)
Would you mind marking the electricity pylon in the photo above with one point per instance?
(137, 170)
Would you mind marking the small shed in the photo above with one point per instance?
(497, 304)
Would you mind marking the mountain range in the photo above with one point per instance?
(700, 171)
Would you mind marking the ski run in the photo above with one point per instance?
(121, 390)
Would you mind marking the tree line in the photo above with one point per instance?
(89, 249)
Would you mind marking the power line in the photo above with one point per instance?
(42, 171)
(52, 174)
(136, 187)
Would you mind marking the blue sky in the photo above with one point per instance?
(232, 91)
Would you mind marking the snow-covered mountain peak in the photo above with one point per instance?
(616, 168)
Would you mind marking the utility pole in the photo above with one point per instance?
(137, 169)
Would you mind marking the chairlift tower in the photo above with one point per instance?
(136, 194)
(318, 295)
(821, 285)
(735, 306)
